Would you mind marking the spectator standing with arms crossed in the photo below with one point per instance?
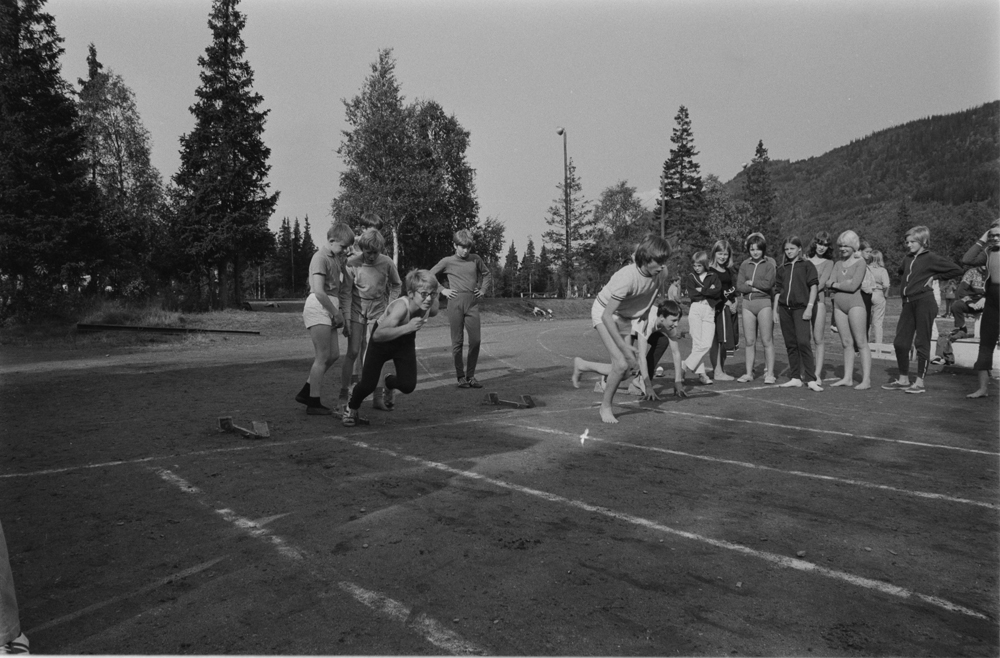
(726, 332)
(330, 291)
(467, 276)
(919, 307)
(986, 252)
(795, 298)
(849, 309)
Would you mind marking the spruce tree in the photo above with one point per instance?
(508, 285)
(681, 205)
(50, 233)
(563, 232)
(759, 197)
(224, 200)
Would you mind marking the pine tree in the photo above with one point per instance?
(543, 278)
(759, 197)
(118, 160)
(682, 205)
(306, 250)
(528, 271)
(224, 204)
(562, 231)
(50, 233)
(508, 286)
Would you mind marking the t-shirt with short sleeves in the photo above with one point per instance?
(645, 325)
(379, 280)
(335, 281)
(634, 291)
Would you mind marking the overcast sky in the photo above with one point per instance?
(803, 76)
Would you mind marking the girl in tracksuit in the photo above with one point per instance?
(919, 307)
(755, 281)
(795, 285)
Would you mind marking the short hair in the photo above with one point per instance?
(417, 279)
(877, 258)
(370, 220)
(793, 239)
(849, 239)
(921, 234)
(756, 240)
(668, 308)
(342, 233)
(651, 248)
(463, 238)
(371, 240)
(823, 237)
(701, 258)
(723, 245)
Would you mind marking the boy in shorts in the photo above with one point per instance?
(627, 296)
(376, 284)
(330, 291)
(468, 277)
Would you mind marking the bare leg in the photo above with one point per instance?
(844, 328)
(818, 339)
(766, 323)
(618, 367)
(984, 385)
(749, 335)
(580, 366)
(857, 321)
(324, 339)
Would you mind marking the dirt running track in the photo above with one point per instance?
(745, 520)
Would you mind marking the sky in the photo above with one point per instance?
(804, 76)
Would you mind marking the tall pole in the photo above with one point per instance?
(567, 260)
(663, 207)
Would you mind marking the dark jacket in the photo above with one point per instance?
(919, 269)
(980, 254)
(711, 288)
(792, 282)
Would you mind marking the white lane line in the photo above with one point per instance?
(143, 590)
(736, 394)
(780, 560)
(435, 633)
(813, 429)
(430, 629)
(761, 467)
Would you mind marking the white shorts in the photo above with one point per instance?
(313, 312)
(597, 314)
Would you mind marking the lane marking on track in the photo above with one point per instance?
(773, 558)
(761, 467)
(180, 575)
(422, 624)
(736, 394)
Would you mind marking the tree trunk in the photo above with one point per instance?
(223, 294)
(237, 281)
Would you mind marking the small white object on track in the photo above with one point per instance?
(585, 435)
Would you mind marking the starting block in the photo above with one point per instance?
(259, 431)
(494, 399)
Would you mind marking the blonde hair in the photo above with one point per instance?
(371, 240)
(921, 234)
(849, 239)
(342, 233)
(417, 279)
(463, 238)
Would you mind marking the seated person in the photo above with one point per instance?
(969, 300)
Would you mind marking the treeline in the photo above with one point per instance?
(84, 213)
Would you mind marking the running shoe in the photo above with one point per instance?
(894, 385)
(389, 397)
(16, 646)
(473, 383)
(463, 383)
(744, 379)
(913, 388)
(352, 417)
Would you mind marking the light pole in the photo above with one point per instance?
(663, 206)
(567, 262)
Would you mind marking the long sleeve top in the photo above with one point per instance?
(709, 285)
(979, 254)
(793, 281)
(467, 274)
(881, 277)
(848, 276)
(761, 274)
(919, 269)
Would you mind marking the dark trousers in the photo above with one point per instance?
(796, 332)
(463, 316)
(914, 329)
(658, 344)
(960, 308)
(402, 352)
(989, 328)
(866, 297)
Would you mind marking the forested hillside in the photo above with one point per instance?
(942, 171)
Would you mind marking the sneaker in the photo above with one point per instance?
(835, 330)
(302, 397)
(913, 388)
(894, 385)
(319, 410)
(463, 383)
(960, 332)
(659, 371)
(473, 383)
(791, 383)
(17, 645)
(770, 379)
(352, 417)
(744, 379)
(600, 385)
(389, 398)
(814, 386)
(705, 379)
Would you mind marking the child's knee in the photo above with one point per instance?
(331, 359)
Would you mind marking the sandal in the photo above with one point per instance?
(352, 418)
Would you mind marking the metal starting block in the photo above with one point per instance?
(259, 431)
(494, 399)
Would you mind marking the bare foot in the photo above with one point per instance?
(980, 393)
(843, 382)
(607, 416)
(576, 372)
(863, 386)
(721, 376)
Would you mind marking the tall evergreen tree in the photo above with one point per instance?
(543, 279)
(759, 197)
(508, 285)
(306, 250)
(681, 206)
(118, 161)
(527, 272)
(222, 181)
(50, 233)
(555, 238)
(284, 256)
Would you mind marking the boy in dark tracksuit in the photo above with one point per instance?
(919, 307)
(795, 286)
